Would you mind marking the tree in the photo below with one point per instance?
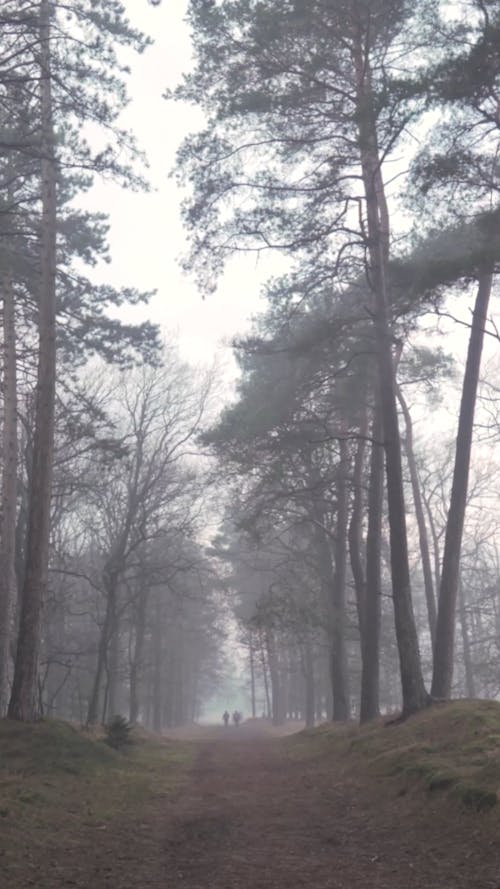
(150, 493)
(64, 102)
(23, 703)
(296, 121)
(464, 81)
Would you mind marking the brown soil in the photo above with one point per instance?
(253, 817)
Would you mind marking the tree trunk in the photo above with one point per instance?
(435, 543)
(355, 535)
(340, 679)
(136, 666)
(265, 675)
(112, 670)
(158, 697)
(469, 670)
(24, 690)
(370, 640)
(276, 688)
(8, 586)
(420, 517)
(107, 630)
(102, 652)
(445, 629)
(252, 676)
(310, 702)
(414, 693)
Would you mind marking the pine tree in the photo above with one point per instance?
(299, 114)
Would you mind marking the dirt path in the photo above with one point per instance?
(255, 819)
(251, 817)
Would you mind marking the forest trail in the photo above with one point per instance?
(253, 818)
(255, 811)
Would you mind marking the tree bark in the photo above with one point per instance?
(340, 677)
(24, 690)
(355, 536)
(445, 629)
(370, 640)
(136, 667)
(252, 675)
(277, 696)
(420, 517)
(414, 693)
(158, 657)
(265, 675)
(310, 696)
(112, 670)
(8, 585)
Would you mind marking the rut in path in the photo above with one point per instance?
(253, 818)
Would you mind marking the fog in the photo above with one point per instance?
(250, 363)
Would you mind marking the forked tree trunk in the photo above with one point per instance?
(8, 585)
(445, 629)
(23, 700)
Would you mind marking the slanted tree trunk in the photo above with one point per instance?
(8, 585)
(445, 629)
(24, 690)
(414, 693)
(420, 517)
(370, 640)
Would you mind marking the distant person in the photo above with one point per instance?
(225, 717)
(236, 717)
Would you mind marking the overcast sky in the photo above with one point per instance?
(147, 235)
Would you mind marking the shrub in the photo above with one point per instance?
(118, 732)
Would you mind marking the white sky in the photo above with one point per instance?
(147, 236)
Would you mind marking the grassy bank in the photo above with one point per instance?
(61, 788)
(449, 748)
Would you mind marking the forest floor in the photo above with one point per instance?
(400, 807)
